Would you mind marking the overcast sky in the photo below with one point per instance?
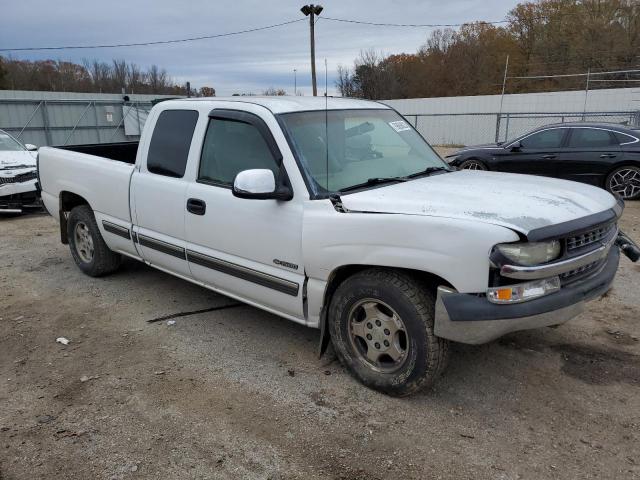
(245, 63)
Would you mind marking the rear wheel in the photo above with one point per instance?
(473, 164)
(381, 324)
(87, 246)
(625, 182)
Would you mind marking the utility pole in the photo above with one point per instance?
(295, 81)
(310, 11)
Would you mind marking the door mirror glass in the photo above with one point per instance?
(31, 147)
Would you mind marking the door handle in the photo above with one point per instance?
(196, 206)
(548, 157)
(607, 155)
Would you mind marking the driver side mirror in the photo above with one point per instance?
(516, 146)
(31, 147)
(259, 184)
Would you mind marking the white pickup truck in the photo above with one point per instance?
(336, 214)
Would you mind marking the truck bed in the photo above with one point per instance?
(102, 181)
(120, 151)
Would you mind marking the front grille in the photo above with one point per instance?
(23, 177)
(578, 273)
(588, 238)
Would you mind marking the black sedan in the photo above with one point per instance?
(601, 154)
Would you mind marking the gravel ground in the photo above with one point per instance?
(240, 393)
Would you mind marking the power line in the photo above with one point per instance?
(158, 42)
(417, 25)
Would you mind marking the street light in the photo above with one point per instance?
(309, 11)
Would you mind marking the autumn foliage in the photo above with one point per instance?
(547, 37)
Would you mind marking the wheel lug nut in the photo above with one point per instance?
(369, 337)
(369, 326)
(386, 331)
(378, 323)
(386, 343)
(377, 345)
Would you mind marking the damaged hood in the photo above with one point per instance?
(16, 163)
(519, 202)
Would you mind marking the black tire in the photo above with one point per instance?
(425, 354)
(473, 164)
(103, 260)
(616, 185)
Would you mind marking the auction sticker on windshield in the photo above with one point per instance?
(400, 125)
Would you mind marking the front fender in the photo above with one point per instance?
(456, 250)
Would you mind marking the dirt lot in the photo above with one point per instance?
(240, 393)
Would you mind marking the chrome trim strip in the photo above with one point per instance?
(161, 246)
(568, 125)
(116, 229)
(558, 268)
(254, 276)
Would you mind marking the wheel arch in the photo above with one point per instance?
(67, 202)
(341, 273)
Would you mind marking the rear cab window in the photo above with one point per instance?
(170, 142)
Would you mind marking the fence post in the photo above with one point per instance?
(138, 118)
(506, 130)
(97, 121)
(45, 123)
(498, 115)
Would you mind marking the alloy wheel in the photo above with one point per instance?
(378, 335)
(625, 182)
(83, 242)
(473, 165)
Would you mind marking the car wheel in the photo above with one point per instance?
(473, 164)
(87, 246)
(625, 182)
(381, 325)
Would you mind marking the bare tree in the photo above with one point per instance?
(273, 92)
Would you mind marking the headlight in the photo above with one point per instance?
(451, 158)
(530, 253)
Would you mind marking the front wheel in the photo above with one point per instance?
(625, 182)
(88, 248)
(473, 164)
(381, 324)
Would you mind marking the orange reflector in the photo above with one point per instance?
(504, 294)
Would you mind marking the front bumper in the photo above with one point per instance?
(16, 196)
(469, 318)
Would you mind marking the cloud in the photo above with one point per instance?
(243, 63)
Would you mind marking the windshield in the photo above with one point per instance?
(363, 145)
(8, 144)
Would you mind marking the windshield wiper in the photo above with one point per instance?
(429, 171)
(374, 181)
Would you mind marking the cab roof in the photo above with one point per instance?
(288, 104)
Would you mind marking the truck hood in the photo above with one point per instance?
(519, 202)
(16, 163)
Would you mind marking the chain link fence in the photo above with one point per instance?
(458, 129)
(68, 122)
